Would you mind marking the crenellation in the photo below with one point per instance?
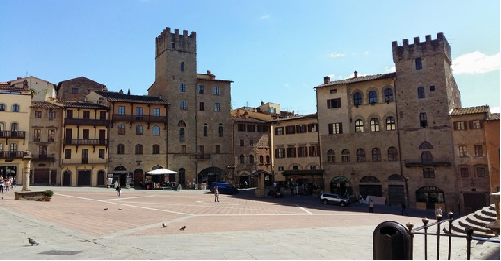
(418, 49)
(174, 41)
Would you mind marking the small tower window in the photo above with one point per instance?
(173, 45)
(182, 67)
(423, 120)
(418, 63)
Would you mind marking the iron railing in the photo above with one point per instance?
(11, 154)
(423, 230)
(12, 134)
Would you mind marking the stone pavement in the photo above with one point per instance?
(75, 226)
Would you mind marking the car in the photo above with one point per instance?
(223, 188)
(330, 198)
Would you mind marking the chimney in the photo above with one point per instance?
(356, 74)
(327, 79)
(208, 72)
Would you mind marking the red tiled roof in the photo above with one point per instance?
(493, 117)
(359, 79)
(82, 104)
(121, 97)
(470, 110)
(44, 104)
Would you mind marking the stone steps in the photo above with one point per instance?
(477, 220)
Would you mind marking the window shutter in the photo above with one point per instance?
(455, 124)
(328, 104)
(470, 123)
(330, 128)
(340, 128)
(276, 153)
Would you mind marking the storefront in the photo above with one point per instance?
(309, 182)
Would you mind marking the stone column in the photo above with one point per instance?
(260, 191)
(494, 225)
(26, 170)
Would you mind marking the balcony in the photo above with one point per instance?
(103, 142)
(83, 161)
(92, 122)
(43, 157)
(136, 118)
(434, 163)
(12, 134)
(11, 154)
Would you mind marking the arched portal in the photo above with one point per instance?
(341, 186)
(370, 186)
(211, 174)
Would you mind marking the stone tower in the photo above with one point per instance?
(426, 92)
(176, 81)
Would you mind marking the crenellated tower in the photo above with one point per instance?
(426, 92)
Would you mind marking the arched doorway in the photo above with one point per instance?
(138, 177)
(396, 190)
(430, 196)
(370, 186)
(211, 174)
(341, 186)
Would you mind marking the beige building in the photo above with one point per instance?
(199, 119)
(45, 142)
(296, 153)
(358, 137)
(14, 131)
(471, 161)
(137, 139)
(41, 90)
(84, 153)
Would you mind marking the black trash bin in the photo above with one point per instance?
(391, 241)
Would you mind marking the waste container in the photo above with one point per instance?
(391, 241)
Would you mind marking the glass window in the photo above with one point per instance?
(390, 123)
(331, 156)
(52, 135)
(359, 126)
(156, 130)
(418, 64)
(220, 130)
(200, 89)
(479, 151)
(345, 155)
(38, 114)
(420, 91)
(201, 106)
(2, 107)
(155, 149)
(392, 154)
(462, 150)
(121, 129)
(375, 124)
(181, 134)
(335, 128)
(241, 159)
(481, 171)
(372, 97)
(67, 153)
(121, 110)
(139, 149)
(251, 159)
(360, 155)
(357, 99)
(376, 154)
(183, 105)
(36, 135)
(156, 112)
(205, 130)
(52, 115)
(120, 149)
(101, 153)
(388, 95)
(74, 90)
(423, 120)
(464, 172)
(15, 107)
(182, 87)
(139, 130)
(182, 66)
(215, 90)
(428, 173)
(217, 106)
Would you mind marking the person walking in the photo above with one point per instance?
(403, 209)
(371, 207)
(216, 194)
(118, 189)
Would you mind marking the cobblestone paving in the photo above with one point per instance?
(75, 225)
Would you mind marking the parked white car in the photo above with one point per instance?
(329, 198)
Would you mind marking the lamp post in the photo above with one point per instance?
(26, 170)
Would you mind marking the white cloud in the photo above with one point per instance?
(495, 109)
(475, 63)
(336, 55)
(264, 17)
(390, 69)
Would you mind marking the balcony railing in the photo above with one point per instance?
(420, 163)
(12, 134)
(132, 118)
(11, 154)
(44, 157)
(86, 142)
(84, 161)
(94, 122)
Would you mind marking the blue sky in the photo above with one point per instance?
(274, 51)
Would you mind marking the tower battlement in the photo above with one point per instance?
(176, 42)
(419, 49)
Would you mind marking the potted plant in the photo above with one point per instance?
(48, 194)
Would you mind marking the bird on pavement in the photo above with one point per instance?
(182, 228)
(164, 225)
(105, 208)
(119, 209)
(32, 241)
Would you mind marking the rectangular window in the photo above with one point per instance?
(102, 115)
(38, 114)
(333, 91)
(279, 131)
(218, 149)
(251, 143)
(291, 152)
(420, 91)
(241, 127)
(36, 135)
(85, 134)
(156, 149)
(280, 168)
(290, 129)
(429, 173)
(156, 112)
(200, 89)
(181, 134)
(374, 124)
(280, 153)
(121, 110)
(335, 128)
(251, 128)
(464, 172)
(301, 129)
(301, 151)
(480, 172)
(312, 127)
(43, 150)
(52, 115)
(201, 106)
(476, 124)
(183, 149)
(334, 103)
(183, 105)
(242, 143)
(101, 153)
(74, 90)
(86, 114)
(313, 151)
(479, 151)
(462, 150)
(182, 87)
(432, 88)
(67, 153)
(423, 120)
(418, 64)
(459, 125)
(215, 90)
(52, 135)
(217, 106)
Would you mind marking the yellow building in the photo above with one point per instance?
(14, 131)
(84, 153)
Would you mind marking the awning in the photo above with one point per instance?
(161, 172)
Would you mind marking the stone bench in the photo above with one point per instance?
(29, 195)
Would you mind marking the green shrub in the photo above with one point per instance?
(49, 193)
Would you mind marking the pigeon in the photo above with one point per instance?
(105, 208)
(164, 225)
(32, 241)
(119, 208)
(182, 228)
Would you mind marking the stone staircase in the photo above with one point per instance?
(477, 220)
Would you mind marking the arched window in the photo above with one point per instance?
(155, 149)
(359, 125)
(388, 95)
(156, 130)
(251, 159)
(15, 107)
(181, 134)
(2, 107)
(139, 149)
(428, 173)
(357, 99)
(376, 154)
(14, 126)
(372, 97)
(331, 157)
(241, 159)
(374, 124)
(121, 129)
(205, 129)
(360, 155)
(220, 130)
(267, 159)
(390, 123)
(426, 157)
(2, 126)
(261, 159)
(345, 155)
(181, 124)
(120, 149)
(139, 130)
(392, 154)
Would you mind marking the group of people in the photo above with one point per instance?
(7, 183)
